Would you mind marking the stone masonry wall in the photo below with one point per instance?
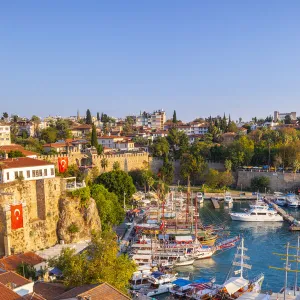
(278, 181)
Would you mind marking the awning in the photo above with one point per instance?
(233, 284)
(181, 282)
(183, 238)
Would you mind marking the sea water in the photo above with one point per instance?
(261, 239)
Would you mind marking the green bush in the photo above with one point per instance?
(260, 183)
(83, 194)
(73, 228)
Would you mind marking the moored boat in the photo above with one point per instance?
(257, 215)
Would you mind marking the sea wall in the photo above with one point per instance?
(278, 181)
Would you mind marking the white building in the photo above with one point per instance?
(156, 120)
(5, 135)
(194, 128)
(281, 116)
(116, 142)
(25, 168)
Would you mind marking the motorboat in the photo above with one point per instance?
(280, 201)
(292, 200)
(183, 261)
(228, 199)
(181, 287)
(257, 215)
(140, 279)
(200, 198)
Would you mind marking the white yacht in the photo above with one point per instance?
(228, 199)
(200, 198)
(183, 261)
(280, 201)
(257, 215)
(292, 200)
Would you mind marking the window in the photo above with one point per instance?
(33, 173)
(52, 171)
(261, 214)
(253, 214)
(45, 172)
(21, 174)
(16, 175)
(39, 173)
(7, 176)
(28, 174)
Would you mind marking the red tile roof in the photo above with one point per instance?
(10, 263)
(15, 147)
(7, 294)
(49, 290)
(12, 277)
(22, 162)
(33, 296)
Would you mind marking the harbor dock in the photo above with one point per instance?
(215, 203)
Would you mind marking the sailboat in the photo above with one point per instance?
(235, 286)
(290, 290)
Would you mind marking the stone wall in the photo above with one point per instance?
(42, 202)
(278, 181)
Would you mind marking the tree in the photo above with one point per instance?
(5, 115)
(287, 119)
(167, 171)
(15, 118)
(98, 116)
(128, 126)
(94, 140)
(104, 163)
(116, 166)
(100, 263)
(26, 270)
(15, 153)
(63, 129)
(228, 165)
(88, 118)
(232, 127)
(174, 117)
(118, 182)
(110, 210)
(260, 183)
(100, 149)
(49, 135)
(160, 147)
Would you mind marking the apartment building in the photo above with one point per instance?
(155, 121)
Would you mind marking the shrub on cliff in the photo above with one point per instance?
(260, 183)
(110, 210)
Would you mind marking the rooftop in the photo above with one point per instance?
(8, 294)
(12, 277)
(22, 162)
(15, 147)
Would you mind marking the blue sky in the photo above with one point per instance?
(199, 57)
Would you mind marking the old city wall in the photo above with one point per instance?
(278, 181)
(40, 214)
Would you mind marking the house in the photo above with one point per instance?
(81, 130)
(125, 145)
(4, 135)
(10, 263)
(156, 120)
(228, 137)
(66, 146)
(16, 147)
(25, 168)
(242, 131)
(26, 126)
(102, 291)
(281, 116)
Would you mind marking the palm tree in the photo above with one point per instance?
(104, 163)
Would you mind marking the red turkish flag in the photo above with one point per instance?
(62, 164)
(16, 216)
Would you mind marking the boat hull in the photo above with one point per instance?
(255, 218)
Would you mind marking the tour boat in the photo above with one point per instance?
(292, 200)
(257, 215)
(183, 261)
(236, 286)
(140, 279)
(228, 199)
(200, 198)
(181, 287)
(202, 289)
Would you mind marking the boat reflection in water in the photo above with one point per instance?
(259, 228)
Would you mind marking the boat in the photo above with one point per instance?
(292, 200)
(200, 198)
(235, 286)
(228, 199)
(160, 284)
(181, 287)
(140, 279)
(257, 215)
(183, 261)
(280, 201)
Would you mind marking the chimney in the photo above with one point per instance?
(6, 155)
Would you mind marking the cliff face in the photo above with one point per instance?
(77, 222)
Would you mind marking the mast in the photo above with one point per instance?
(242, 258)
(187, 201)
(296, 275)
(286, 269)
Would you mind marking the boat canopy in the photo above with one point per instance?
(183, 238)
(253, 296)
(233, 284)
(181, 282)
(141, 256)
(201, 280)
(157, 274)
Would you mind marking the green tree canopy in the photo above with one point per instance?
(174, 120)
(160, 147)
(94, 140)
(88, 118)
(118, 182)
(49, 134)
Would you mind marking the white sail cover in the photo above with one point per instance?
(233, 284)
(254, 296)
(183, 238)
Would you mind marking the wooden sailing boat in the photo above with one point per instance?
(286, 290)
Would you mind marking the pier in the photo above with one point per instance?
(215, 203)
(287, 217)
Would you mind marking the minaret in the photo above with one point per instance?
(78, 115)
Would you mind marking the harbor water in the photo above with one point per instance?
(261, 238)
